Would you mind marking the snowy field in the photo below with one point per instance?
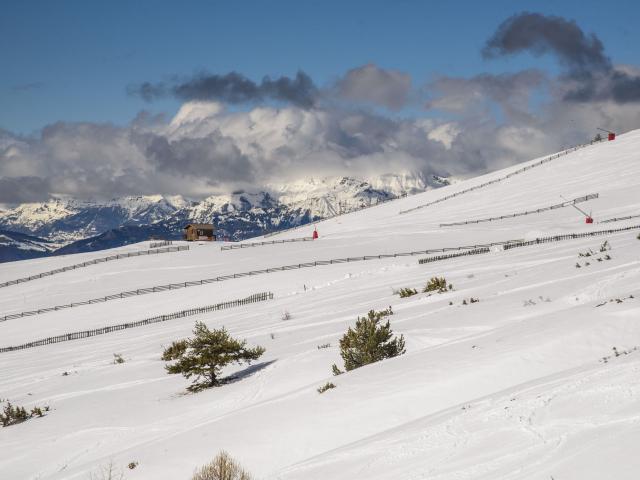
(511, 387)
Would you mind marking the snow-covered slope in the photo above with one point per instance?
(511, 387)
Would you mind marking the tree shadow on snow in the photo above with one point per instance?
(247, 372)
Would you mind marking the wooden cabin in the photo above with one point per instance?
(199, 231)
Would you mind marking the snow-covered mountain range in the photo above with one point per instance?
(68, 225)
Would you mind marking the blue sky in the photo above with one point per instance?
(72, 60)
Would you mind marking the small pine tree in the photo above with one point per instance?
(437, 284)
(325, 387)
(175, 350)
(370, 341)
(13, 415)
(37, 411)
(407, 292)
(204, 356)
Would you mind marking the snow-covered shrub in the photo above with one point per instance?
(223, 467)
(286, 316)
(407, 292)
(369, 342)
(204, 355)
(12, 415)
(325, 387)
(437, 284)
(36, 412)
(324, 345)
(117, 358)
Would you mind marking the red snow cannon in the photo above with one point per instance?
(588, 220)
(315, 234)
(610, 135)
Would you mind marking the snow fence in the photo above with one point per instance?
(95, 261)
(234, 246)
(568, 203)
(258, 297)
(508, 244)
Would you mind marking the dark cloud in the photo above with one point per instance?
(589, 73)
(625, 87)
(23, 189)
(372, 84)
(233, 88)
(214, 157)
(512, 93)
(540, 34)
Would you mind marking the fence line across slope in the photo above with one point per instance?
(258, 297)
(235, 246)
(618, 219)
(95, 261)
(585, 198)
(174, 286)
(500, 179)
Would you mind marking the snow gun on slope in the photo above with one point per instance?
(588, 216)
(610, 135)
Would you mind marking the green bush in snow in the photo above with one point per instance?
(12, 415)
(369, 341)
(325, 387)
(204, 355)
(437, 284)
(407, 292)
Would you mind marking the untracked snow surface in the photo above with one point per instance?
(523, 384)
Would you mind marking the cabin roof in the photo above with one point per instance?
(202, 226)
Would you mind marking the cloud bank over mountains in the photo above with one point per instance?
(233, 132)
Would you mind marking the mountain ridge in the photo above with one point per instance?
(70, 225)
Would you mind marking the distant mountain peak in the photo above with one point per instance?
(240, 214)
